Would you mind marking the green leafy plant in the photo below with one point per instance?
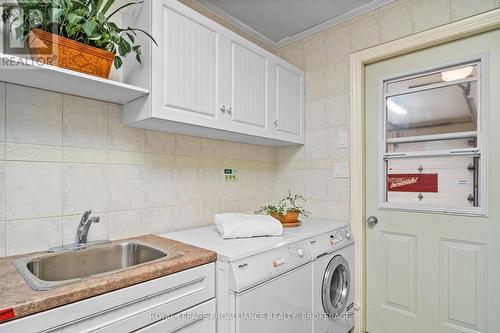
(85, 21)
(289, 203)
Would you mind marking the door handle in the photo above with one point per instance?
(372, 220)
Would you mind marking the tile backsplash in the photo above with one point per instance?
(61, 154)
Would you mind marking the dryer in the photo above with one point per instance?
(333, 281)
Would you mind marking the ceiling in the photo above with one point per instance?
(279, 22)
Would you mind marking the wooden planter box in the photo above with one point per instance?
(59, 51)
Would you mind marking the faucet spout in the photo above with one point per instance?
(84, 226)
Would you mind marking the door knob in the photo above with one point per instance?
(223, 108)
(229, 110)
(372, 220)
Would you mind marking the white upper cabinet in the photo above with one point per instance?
(189, 77)
(289, 100)
(249, 82)
(207, 81)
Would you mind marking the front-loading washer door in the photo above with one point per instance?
(335, 288)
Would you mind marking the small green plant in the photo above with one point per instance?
(85, 21)
(289, 203)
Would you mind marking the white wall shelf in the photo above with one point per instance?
(32, 74)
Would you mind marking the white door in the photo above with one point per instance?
(187, 69)
(249, 104)
(289, 100)
(433, 190)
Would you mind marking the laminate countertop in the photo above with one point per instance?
(18, 299)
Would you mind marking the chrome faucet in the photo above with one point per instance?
(84, 226)
(81, 235)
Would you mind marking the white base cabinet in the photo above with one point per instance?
(189, 321)
(208, 81)
(144, 307)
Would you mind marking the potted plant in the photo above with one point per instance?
(74, 34)
(288, 209)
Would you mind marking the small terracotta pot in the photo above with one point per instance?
(289, 217)
(51, 49)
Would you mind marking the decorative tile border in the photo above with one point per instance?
(2, 151)
(84, 155)
(125, 157)
(307, 165)
(46, 153)
(159, 159)
(27, 152)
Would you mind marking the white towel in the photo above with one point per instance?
(234, 225)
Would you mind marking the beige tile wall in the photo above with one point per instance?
(324, 57)
(60, 155)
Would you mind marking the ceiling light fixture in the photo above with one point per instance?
(395, 107)
(456, 74)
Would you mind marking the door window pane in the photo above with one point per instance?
(432, 145)
(450, 74)
(447, 182)
(432, 155)
(443, 110)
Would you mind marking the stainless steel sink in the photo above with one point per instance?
(43, 272)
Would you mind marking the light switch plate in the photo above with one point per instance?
(342, 140)
(340, 170)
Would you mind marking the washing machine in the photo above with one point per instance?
(333, 281)
(265, 275)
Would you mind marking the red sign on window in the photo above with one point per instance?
(412, 182)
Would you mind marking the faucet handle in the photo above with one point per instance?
(85, 216)
(95, 219)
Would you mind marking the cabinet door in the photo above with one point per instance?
(186, 66)
(249, 87)
(194, 320)
(289, 100)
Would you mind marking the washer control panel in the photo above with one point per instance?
(288, 257)
(252, 270)
(330, 241)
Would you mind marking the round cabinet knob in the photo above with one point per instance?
(300, 252)
(223, 108)
(229, 110)
(372, 220)
(347, 234)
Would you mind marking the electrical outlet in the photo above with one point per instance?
(340, 170)
(231, 175)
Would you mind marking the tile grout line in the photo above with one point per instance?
(108, 139)
(62, 170)
(5, 167)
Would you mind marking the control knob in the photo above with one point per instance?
(347, 234)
